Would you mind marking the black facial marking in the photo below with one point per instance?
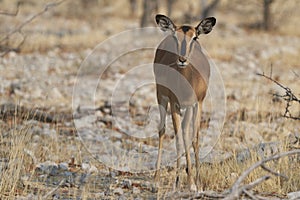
(185, 28)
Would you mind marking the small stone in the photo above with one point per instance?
(93, 170)
(55, 197)
(55, 93)
(37, 93)
(294, 195)
(63, 166)
(36, 138)
(113, 174)
(126, 183)
(85, 167)
(136, 190)
(122, 198)
(118, 191)
(47, 167)
(67, 173)
(99, 195)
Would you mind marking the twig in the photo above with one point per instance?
(288, 97)
(250, 194)
(11, 13)
(296, 74)
(254, 183)
(236, 189)
(54, 189)
(199, 195)
(272, 172)
(19, 28)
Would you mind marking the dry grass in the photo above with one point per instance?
(23, 147)
(70, 28)
(220, 177)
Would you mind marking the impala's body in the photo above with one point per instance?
(182, 72)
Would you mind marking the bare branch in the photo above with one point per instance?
(288, 97)
(254, 183)
(19, 28)
(296, 74)
(272, 172)
(12, 14)
(250, 194)
(236, 189)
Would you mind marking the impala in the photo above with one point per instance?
(181, 73)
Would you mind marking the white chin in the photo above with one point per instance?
(182, 65)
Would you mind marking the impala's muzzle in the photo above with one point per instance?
(182, 61)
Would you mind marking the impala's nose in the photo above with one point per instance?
(182, 59)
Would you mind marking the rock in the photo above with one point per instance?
(67, 173)
(28, 197)
(63, 166)
(113, 174)
(47, 167)
(83, 178)
(210, 155)
(55, 93)
(88, 168)
(262, 150)
(126, 183)
(50, 133)
(118, 191)
(294, 195)
(86, 121)
(56, 197)
(36, 138)
(122, 197)
(36, 93)
(93, 170)
(136, 190)
(99, 195)
(243, 155)
(85, 166)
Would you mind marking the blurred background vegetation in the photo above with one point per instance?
(73, 25)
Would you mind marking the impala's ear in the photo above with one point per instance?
(205, 26)
(165, 23)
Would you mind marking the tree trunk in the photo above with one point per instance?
(170, 6)
(133, 7)
(148, 7)
(207, 9)
(267, 21)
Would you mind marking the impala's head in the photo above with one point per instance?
(185, 35)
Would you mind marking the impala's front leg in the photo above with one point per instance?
(186, 138)
(163, 104)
